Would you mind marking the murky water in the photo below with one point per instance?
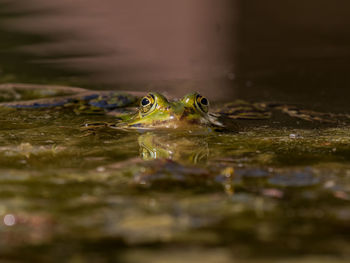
(275, 191)
(67, 193)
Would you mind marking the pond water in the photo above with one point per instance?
(276, 191)
(261, 194)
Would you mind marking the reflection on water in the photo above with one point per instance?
(247, 49)
(158, 44)
(177, 147)
(275, 192)
(95, 198)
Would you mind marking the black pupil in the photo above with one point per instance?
(204, 101)
(145, 102)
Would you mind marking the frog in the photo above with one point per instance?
(157, 112)
(82, 101)
(152, 111)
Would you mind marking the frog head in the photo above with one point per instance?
(157, 112)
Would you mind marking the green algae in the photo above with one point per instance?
(267, 191)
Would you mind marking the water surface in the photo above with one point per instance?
(278, 190)
(115, 195)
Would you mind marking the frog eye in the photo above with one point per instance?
(202, 103)
(147, 104)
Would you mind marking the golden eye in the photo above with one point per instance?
(202, 103)
(146, 104)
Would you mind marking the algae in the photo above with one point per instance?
(267, 191)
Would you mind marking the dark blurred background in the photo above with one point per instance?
(272, 50)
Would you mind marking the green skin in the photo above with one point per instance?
(156, 112)
(191, 112)
(188, 113)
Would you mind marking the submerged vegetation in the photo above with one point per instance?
(118, 195)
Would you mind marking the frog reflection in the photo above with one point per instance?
(183, 149)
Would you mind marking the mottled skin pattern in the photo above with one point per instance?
(156, 112)
(31, 96)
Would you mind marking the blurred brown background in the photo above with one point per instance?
(293, 51)
(173, 43)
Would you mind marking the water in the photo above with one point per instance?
(277, 191)
(103, 196)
